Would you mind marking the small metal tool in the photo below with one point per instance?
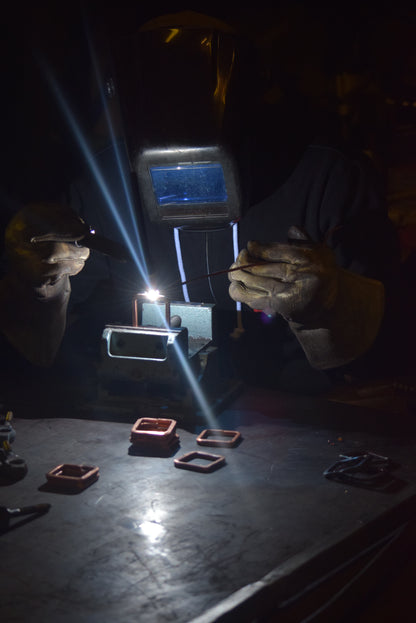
(143, 298)
(10, 513)
(154, 434)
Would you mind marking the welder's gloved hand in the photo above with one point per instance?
(39, 244)
(41, 254)
(334, 313)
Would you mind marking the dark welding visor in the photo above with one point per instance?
(178, 91)
(193, 186)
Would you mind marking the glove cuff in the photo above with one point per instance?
(53, 292)
(349, 328)
(34, 319)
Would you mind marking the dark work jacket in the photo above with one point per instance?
(332, 196)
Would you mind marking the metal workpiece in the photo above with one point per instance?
(137, 305)
(149, 429)
(219, 438)
(154, 341)
(163, 365)
(154, 435)
(149, 344)
(137, 355)
(74, 478)
(198, 318)
(8, 514)
(196, 461)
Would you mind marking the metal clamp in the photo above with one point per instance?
(6, 514)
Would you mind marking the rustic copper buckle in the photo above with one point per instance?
(185, 461)
(72, 477)
(218, 438)
(154, 431)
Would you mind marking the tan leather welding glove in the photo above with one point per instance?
(41, 257)
(334, 313)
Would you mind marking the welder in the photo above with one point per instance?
(225, 179)
(219, 168)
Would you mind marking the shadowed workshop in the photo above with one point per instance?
(207, 313)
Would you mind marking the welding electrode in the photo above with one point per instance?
(296, 236)
(222, 272)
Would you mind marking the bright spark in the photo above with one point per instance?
(152, 295)
(133, 242)
(128, 230)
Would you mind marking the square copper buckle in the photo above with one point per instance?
(218, 437)
(72, 477)
(185, 461)
(154, 432)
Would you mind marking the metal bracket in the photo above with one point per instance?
(144, 343)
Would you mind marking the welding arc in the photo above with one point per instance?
(222, 272)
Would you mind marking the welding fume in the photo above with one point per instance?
(270, 247)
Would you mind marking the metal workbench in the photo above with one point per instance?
(152, 543)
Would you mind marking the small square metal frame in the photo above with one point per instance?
(207, 438)
(72, 477)
(148, 430)
(185, 461)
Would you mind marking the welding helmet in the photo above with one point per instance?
(180, 92)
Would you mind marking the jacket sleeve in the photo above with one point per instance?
(354, 219)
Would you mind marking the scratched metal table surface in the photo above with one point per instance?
(149, 542)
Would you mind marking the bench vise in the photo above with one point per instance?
(155, 362)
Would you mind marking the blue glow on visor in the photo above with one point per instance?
(189, 183)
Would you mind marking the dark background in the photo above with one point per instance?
(354, 64)
(307, 45)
